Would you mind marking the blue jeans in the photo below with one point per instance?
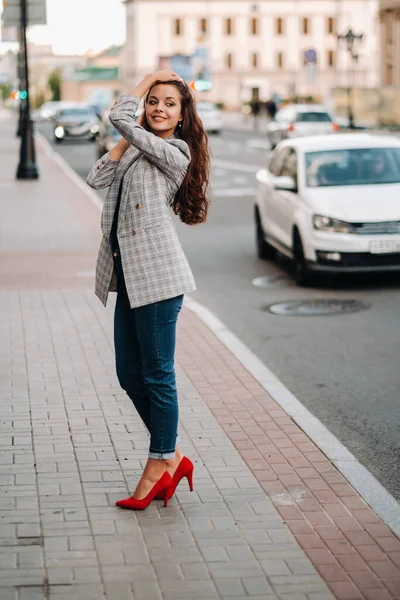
(144, 340)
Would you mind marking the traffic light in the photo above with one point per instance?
(19, 95)
(200, 85)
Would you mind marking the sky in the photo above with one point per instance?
(74, 26)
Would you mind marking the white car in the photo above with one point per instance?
(331, 203)
(47, 111)
(210, 116)
(296, 120)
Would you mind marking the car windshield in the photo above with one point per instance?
(74, 112)
(313, 117)
(358, 166)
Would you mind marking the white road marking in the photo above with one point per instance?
(258, 143)
(233, 192)
(219, 172)
(235, 166)
(240, 179)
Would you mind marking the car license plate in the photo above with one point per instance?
(386, 247)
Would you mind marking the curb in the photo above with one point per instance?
(369, 488)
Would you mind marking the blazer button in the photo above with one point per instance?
(133, 231)
(103, 162)
(138, 205)
(99, 167)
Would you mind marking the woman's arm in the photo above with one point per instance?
(119, 149)
(102, 173)
(172, 156)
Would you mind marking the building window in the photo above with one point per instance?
(254, 26)
(331, 58)
(228, 26)
(305, 26)
(255, 60)
(228, 60)
(331, 25)
(280, 60)
(203, 25)
(279, 26)
(177, 27)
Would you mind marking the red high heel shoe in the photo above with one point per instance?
(160, 489)
(184, 469)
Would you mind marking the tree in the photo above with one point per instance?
(54, 82)
(38, 99)
(5, 91)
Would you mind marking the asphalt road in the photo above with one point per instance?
(345, 367)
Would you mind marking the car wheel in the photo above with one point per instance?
(302, 273)
(264, 250)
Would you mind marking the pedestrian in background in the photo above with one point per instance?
(162, 161)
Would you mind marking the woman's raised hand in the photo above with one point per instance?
(166, 75)
(149, 80)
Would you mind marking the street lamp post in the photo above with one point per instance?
(350, 38)
(27, 168)
(20, 79)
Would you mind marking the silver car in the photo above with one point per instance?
(297, 120)
(75, 122)
(210, 116)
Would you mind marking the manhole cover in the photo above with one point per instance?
(310, 308)
(268, 281)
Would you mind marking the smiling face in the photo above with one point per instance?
(163, 109)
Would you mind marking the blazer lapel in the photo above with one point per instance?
(128, 158)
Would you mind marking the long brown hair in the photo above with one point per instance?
(191, 201)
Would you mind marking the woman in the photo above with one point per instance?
(161, 161)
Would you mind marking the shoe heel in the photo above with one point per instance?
(166, 498)
(190, 480)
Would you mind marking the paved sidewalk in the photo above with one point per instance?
(270, 517)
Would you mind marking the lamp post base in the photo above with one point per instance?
(27, 171)
(27, 168)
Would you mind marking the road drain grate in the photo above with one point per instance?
(318, 308)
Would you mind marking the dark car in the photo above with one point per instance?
(75, 123)
(107, 137)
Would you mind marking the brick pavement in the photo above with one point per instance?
(270, 517)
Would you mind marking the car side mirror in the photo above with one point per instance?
(285, 183)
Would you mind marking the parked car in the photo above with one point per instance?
(210, 116)
(75, 122)
(107, 137)
(47, 111)
(295, 120)
(331, 203)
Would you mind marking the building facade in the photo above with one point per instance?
(254, 49)
(389, 16)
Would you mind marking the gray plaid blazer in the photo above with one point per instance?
(154, 264)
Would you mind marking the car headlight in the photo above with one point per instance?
(59, 132)
(94, 128)
(333, 225)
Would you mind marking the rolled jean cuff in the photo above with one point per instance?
(162, 455)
